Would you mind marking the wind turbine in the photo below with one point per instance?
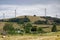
(45, 12)
(57, 15)
(3, 15)
(15, 13)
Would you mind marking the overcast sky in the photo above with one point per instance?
(29, 7)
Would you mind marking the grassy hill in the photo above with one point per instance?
(46, 23)
(31, 19)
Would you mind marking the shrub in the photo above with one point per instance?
(27, 27)
(40, 30)
(54, 29)
(57, 21)
(34, 29)
(26, 19)
(14, 20)
(39, 22)
(18, 31)
(8, 27)
(20, 22)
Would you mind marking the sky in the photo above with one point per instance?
(29, 7)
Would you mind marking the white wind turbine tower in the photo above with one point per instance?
(56, 15)
(15, 13)
(3, 15)
(45, 12)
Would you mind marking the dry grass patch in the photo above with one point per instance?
(30, 37)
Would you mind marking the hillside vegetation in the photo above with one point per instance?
(30, 28)
(46, 23)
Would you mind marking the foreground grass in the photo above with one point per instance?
(25, 37)
(46, 36)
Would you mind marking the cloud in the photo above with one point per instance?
(29, 2)
(29, 7)
(38, 10)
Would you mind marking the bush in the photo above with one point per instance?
(11, 32)
(39, 22)
(26, 19)
(40, 30)
(14, 20)
(20, 22)
(18, 31)
(8, 27)
(57, 21)
(27, 27)
(54, 29)
(34, 29)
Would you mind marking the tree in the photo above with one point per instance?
(28, 27)
(34, 15)
(54, 29)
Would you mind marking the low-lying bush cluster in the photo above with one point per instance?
(40, 22)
